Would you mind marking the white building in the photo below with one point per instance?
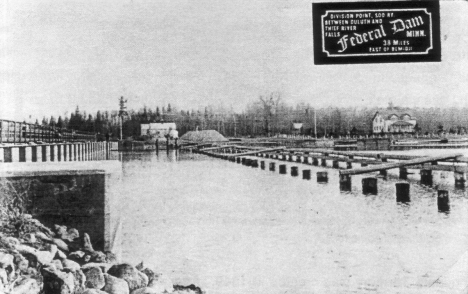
(392, 123)
(160, 130)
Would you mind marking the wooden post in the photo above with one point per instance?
(294, 171)
(243, 160)
(248, 162)
(291, 157)
(238, 159)
(383, 172)
(369, 186)
(22, 154)
(324, 162)
(305, 159)
(426, 177)
(298, 159)
(282, 169)
(460, 179)
(272, 166)
(443, 201)
(52, 152)
(336, 164)
(345, 183)
(254, 163)
(322, 177)
(262, 164)
(306, 174)
(315, 161)
(34, 153)
(349, 165)
(403, 173)
(402, 192)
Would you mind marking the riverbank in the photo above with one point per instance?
(35, 259)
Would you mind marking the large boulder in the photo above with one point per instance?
(58, 282)
(157, 281)
(70, 265)
(26, 286)
(94, 277)
(130, 274)
(115, 285)
(93, 291)
(42, 256)
(190, 289)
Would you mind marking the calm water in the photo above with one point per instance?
(235, 229)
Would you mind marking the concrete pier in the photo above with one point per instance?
(81, 195)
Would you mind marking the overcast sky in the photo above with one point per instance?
(55, 55)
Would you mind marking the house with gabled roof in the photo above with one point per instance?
(392, 123)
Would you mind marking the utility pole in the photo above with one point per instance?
(122, 112)
(315, 123)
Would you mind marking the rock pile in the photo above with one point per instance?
(37, 260)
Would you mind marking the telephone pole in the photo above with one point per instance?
(315, 123)
(122, 112)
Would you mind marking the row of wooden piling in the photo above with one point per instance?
(369, 184)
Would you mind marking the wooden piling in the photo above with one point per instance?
(306, 174)
(369, 186)
(248, 162)
(294, 171)
(298, 159)
(443, 200)
(239, 160)
(272, 166)
(335, 164)
(383, 172)
(426, 177)
(305, 159)
(460, 179)
(282, 169)
(403, 173)
(243, 160)
(322, 177)
(345, 183)
(262, 164)
(402, 192)
(315, 161)
(254, 163)
(324, 162)
(349, 165)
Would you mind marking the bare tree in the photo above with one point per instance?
(270, 104)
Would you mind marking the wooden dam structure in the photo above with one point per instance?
(349, 164)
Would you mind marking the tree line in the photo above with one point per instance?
(267, 116)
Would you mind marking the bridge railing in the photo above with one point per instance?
(20, 132)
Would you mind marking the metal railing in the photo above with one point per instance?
(20, 132)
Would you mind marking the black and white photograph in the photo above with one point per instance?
(233, 147)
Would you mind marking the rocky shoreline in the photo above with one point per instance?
(35, 259)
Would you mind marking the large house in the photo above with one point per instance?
(392, 123)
